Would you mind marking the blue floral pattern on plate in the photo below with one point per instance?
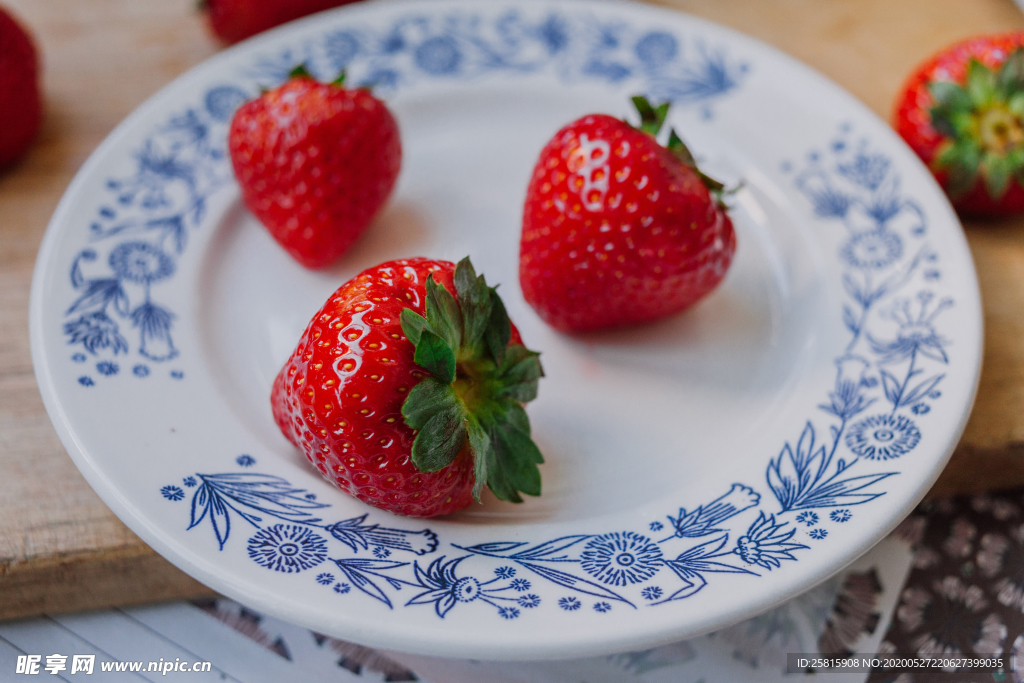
(886, 376)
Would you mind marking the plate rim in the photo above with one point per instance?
(151, 532)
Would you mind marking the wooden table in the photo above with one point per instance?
(61, 549)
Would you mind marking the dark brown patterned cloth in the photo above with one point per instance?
(965, 593)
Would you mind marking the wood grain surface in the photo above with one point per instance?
(61, 549)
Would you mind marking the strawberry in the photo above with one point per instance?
(21, 111)
(407, 390)
(234, 20)
(618, 230)
(316, 162)
(962, 111)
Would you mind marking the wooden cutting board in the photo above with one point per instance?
(61, 549)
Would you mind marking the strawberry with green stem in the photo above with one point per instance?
(962, 112)
(407, 390)
(618, 229)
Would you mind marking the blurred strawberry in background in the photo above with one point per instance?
(235, 20)
(20, 104)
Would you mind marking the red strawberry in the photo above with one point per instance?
(617, 229)
(21, 111)
(408, 413)
(316, 162)
(234, 20)
(962, 111)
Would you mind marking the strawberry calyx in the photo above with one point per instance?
(983, 121)
(652, 119)
(477, 386)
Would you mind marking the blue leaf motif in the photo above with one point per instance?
(574, 582)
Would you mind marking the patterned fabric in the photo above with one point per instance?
(965, 594)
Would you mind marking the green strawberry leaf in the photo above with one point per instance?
(499, 328)
(520, 371)
(1010, 79)
(440, 440)
(483, 453)
(475, 301)
(413, 325)
(479, 382)
(981, 84)
(300, 71)
(427, 399)
(434, 354)
(651, 118)
(443, 314)
(996, 172)
(340, 79)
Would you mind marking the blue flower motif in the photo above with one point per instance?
(529, 601)
(96, 331)
(140, 370)
(107, 368)
(866, 170)
(602, 607)
(656, 49)
(619, 558)
(380, 552)
(245, 460)
(340, 48)
(439, 56)
(656, 526)
(341, 588)
(883, 437)
(553, 34)
(172, 493)
(809, 518)
(920, 408)
(177, 374)
(817, 534)
(86, 381)
(766, 543)
(140, 262)
(189, 481)
(310, 496)
(508, 612)
(703, 520)
(569, 604)
(651, 593)
(287, 548)
(222, 101)
(504, 572)
(916, 333)
(872, 250)
(79, 357)
(840, 516)
(325, 579)
(520, 585)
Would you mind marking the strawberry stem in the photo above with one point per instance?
(477, 388)
(652, 119)
(983, 122)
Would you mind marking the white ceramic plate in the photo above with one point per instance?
(700, 470)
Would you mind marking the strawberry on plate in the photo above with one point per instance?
(407, 390)
(20, 101)
(619, 230)
(315, 162)
(962, 111)
(234, 20)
